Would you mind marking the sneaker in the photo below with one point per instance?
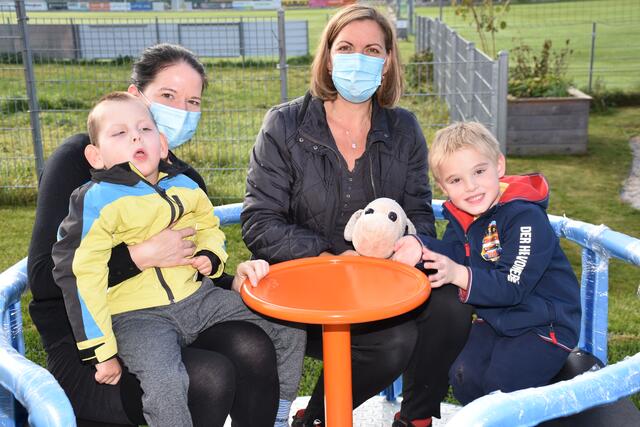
(298, 420)
(400, 421)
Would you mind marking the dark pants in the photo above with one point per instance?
(232, 369)
(490, 362)
(443, 326)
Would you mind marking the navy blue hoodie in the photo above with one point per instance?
(519, 278)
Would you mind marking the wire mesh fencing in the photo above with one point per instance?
(77, 61)
(603, 36)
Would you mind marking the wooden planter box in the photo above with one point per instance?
(548, 125)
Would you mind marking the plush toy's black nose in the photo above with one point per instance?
(368, 211)
(393, 216)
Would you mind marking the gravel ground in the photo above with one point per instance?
(631, 190)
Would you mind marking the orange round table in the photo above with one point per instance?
(336, 291)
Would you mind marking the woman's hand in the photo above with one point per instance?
(253, 270)
(407, 250)
(449, 271)
(108, 372)
(168, 248)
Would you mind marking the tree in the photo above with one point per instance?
(487, 17)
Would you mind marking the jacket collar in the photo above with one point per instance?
(314, 123)
(127, 174)
(531, 188)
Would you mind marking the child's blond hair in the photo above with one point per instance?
(461, 135)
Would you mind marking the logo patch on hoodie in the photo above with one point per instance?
(491, 248)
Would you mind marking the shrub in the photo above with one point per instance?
(539, 75)
(418, 72)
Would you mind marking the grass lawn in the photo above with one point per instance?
(617, 44)
(584, 187)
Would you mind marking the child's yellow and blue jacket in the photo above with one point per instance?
(118, 206)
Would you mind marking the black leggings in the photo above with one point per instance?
(380, 352)
(232, 370)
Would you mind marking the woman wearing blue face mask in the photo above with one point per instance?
(320, 158)
(231, 366)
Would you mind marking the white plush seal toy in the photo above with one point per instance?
(375, 229)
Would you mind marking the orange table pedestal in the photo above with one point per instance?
(337, 292)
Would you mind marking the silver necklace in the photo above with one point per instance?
(354, 145)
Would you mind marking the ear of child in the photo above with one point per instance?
(375, 229)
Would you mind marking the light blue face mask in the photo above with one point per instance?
(356, 76)
(177, 125)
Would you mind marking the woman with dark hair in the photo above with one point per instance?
(320, 158)
(231, 366)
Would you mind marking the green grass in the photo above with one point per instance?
(617, 45)
(583, 187)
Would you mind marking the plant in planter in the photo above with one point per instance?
(539, 75)
(544, 113)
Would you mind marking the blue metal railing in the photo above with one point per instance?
(46, 404)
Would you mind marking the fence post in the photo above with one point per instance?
(416, 44)
(440, 53)
(410, 17)
(282, 53)
(453, 92)
(75, 31)
(593, 53)
(157, 31)
(34, 106)
(499, 99)
(471, 74)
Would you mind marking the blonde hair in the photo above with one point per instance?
(92, 119)
(321, 84)
(458, 136)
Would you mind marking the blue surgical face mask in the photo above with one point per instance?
(177, 125)
(356, 76)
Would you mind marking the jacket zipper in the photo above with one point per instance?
(169, 200)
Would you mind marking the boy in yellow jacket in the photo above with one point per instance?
(146, 319)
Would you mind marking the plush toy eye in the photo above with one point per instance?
(368, 211)
(393, 216)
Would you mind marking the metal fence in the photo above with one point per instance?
(473, 85)
(245, 60)
(75, 62)
(604, 35)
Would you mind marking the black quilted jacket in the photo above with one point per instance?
(293, 183)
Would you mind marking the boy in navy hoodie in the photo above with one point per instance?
(501, 251)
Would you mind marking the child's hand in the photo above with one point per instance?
(202, 264)
(108, 372)
(253, 270)
(449, 271)
(407, 250)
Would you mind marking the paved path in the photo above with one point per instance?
(631, 189)
(377, 412)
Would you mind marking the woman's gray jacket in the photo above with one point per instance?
(293, 183)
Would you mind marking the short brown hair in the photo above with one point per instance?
(322, 86)
(92, 121)
(461, 135)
